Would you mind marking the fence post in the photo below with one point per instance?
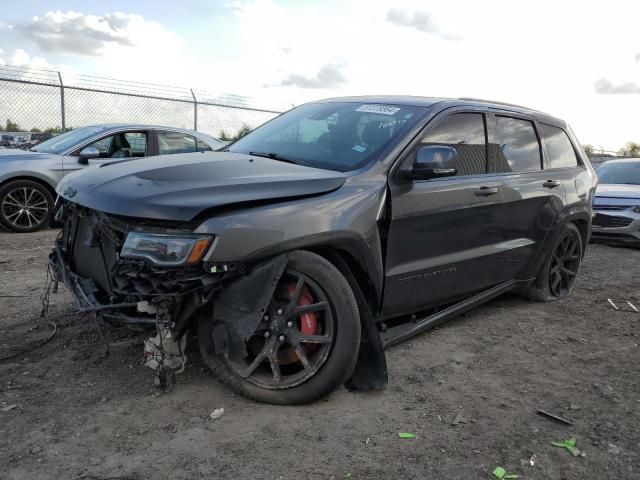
(195, 111)
(62, 100)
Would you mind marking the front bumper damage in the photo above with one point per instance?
(85, 258)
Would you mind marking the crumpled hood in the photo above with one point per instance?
(611, 190)
(179, 187)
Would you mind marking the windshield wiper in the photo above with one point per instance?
(274, 156)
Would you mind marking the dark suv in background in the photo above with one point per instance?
(338, 228)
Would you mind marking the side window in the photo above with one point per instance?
(122, 145)
(559, 147)
(466, 133)
(104, 146)
(175, 142)
(201, 146)
(517, 148)
(137, 142)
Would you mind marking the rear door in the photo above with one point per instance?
(533, 197)
(445, 234)
(171, 142)
(563, 162)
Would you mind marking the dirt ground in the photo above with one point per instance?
(85, 411)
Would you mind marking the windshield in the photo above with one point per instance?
(621, 173)
(333, 136)
(65, 141)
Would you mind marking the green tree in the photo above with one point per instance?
(631, 149)
(226, 137)
(57, 130)
(35, 130)
(11, 126)
(588, 149)
(244, 129)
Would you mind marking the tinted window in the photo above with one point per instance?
(559, 148)
(334, 135)
(466, 133)
(517, 148)
(627, 173)
(175, 142)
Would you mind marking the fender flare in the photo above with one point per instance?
(369, 257)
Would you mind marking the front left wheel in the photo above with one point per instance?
(25, 206)
(307, 343)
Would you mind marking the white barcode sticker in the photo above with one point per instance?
(382, 109)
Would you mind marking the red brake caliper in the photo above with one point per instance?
(308, 326)
(308, 321)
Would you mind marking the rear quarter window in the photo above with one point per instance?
(559, 148)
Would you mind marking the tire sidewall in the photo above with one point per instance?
(8, 187)
(542, 281)
(344, 350)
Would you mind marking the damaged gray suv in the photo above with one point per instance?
(339, 228)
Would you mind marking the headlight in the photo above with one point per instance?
(636, 209)
(167, 250)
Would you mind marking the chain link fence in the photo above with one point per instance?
(35, 100)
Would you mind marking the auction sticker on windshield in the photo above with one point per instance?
(382, 109)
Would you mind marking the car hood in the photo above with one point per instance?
(179, 187)
(611, 190)
(11, 154)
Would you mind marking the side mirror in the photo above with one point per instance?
(434, 161)
(87, 153)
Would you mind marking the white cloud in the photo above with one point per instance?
(20, 58)
(607, 87)
(421, 20)
(357, 47)
(329, 76)
(93, 35)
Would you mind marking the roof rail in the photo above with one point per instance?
(471, 99)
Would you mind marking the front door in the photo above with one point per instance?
(446, 239)
(116, 146)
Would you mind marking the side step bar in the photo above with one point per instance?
(402, 332)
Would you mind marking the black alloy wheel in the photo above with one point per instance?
(565, 264)
(294, 338)
(307, 342)
(558, 274)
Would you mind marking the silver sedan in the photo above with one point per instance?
(617, 202)
(28, 178)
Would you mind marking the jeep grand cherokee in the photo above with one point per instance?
(336, 229)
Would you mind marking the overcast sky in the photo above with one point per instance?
(576, 60)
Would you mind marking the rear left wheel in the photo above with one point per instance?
(558, 275)
(306, 345)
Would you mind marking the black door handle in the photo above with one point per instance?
(486, 191)
(551, 184)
